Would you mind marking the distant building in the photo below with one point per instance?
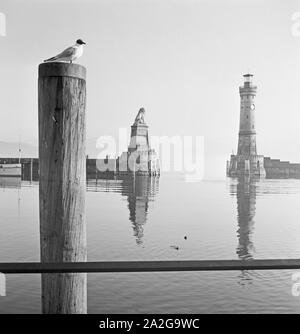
(247, 162)
(139, 159)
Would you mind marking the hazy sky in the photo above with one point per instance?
(181, 60)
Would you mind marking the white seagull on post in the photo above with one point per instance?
(70, 54)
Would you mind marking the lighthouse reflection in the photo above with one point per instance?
(244, 188)
(139, 190)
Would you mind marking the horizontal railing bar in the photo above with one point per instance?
(147, 266)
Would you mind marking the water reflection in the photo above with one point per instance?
(10, 182)
(140, 191)
(246, 201)
(244, 189)
(28, 178)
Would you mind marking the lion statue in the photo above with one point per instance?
(140, 117)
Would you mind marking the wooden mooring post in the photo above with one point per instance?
(62, 185)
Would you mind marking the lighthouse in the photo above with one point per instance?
(247, 132)
(247, 161)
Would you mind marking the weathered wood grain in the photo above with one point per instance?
(62, 104)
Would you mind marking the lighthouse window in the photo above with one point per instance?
(252, 126)
(247, 116)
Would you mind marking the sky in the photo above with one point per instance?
(182, 60)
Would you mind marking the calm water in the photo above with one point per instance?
(143, 219)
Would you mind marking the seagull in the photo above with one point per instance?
(70, 54)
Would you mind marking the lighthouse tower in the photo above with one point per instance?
(247, 133)
(247, 161)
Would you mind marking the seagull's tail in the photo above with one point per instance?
(50, 59)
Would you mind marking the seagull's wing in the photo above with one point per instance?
(67, 53)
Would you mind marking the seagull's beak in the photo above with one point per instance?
(83, 43)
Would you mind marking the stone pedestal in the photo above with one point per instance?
(139, 139)
(243, 165)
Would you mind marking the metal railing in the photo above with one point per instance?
(147, 266)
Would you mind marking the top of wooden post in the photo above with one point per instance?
(59, 69)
